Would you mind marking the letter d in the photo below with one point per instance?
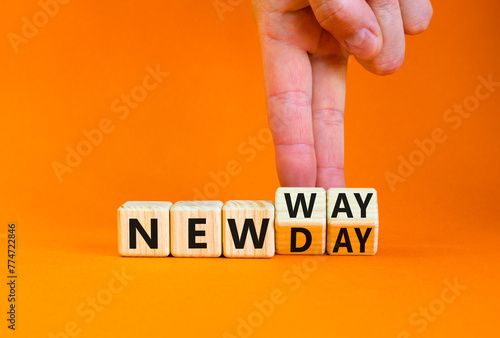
(293, 241)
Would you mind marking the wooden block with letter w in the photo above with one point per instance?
(300, 222)
(352, 221)
(248, 229)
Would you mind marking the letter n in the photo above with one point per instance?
(135, 225)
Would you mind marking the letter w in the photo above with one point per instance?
(301, 200)
(258, 242)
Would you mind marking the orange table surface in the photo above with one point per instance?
(436, 270)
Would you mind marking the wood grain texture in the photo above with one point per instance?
(211, 214)
(236, 212)
(144, 212)
(315, 223)
(342, 236)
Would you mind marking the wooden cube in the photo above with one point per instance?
(196, 229)
(144, 229)
(300, 222)
(352, 221)
(248, 229)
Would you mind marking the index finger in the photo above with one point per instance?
(288, 83)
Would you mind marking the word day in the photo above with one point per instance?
(310, 221)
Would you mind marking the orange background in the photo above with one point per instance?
(437, 225)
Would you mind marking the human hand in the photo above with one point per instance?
(305, 47)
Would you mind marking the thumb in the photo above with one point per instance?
(352, 23)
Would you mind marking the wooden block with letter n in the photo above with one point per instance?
(352, 221)
(144, 229)
(248, 229)
(196, 229)
(300, 222)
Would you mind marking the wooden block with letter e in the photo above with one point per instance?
(248, 229)
(352, 221)
(300, 222)
(144, 229)
(196, 229)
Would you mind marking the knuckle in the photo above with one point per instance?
(278, 5)
(329, 117)
(332, 170)
(385, 5)
(290, 97)
(296, 146)
(330, 12)
(288, 114)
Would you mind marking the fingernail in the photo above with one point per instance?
(362, 44)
